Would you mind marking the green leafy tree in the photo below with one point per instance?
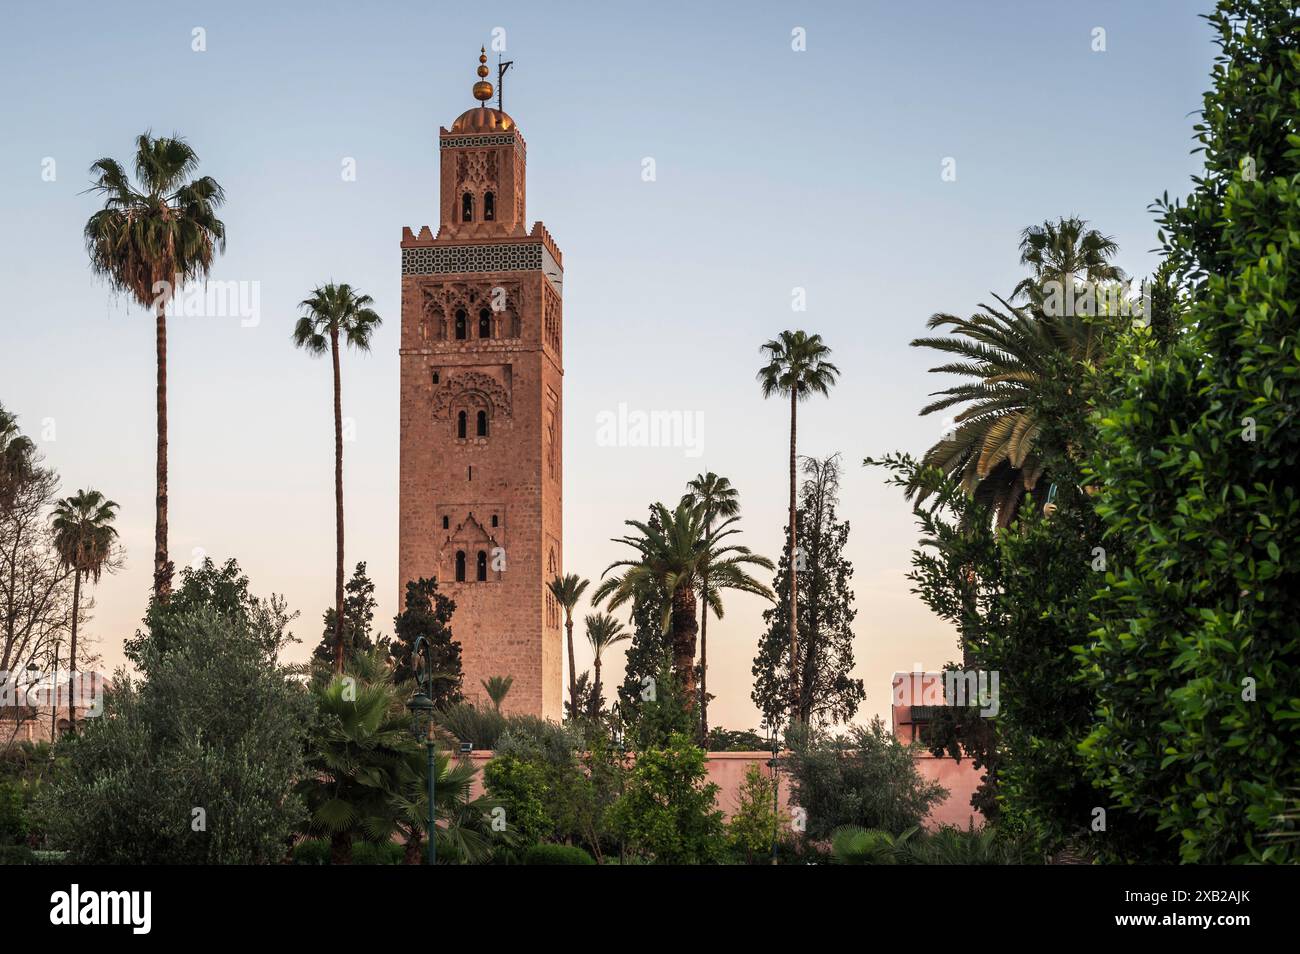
(150, 238)
(195, 763)
(333, 315)
(865, 777)
(84, 536)
(827, 692)
(668, 810)
(1196, 660)
(757, 823)
(358, 619)
(797, 367)
(428, 613)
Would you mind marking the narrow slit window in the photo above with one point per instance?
(461, 331)
(485, 324)
(482, 428)
(460, 566)
(481, 568)
(467, 207)
(461, 423)
(489, 207)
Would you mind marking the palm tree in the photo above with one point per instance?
(672, 550)
(1062, 252)
(718, 498)
(330, 313)
(146, 241)
(83, 537)
(17, 459)
(1010, 354)
(497, 688)
(796, 367)
(603, 631)
(567, 590)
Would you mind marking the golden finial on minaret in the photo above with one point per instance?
(482, 89)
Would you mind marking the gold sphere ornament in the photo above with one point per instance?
(482, 91)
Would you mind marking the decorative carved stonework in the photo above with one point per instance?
(461, 383)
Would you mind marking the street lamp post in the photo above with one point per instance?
(421, 706)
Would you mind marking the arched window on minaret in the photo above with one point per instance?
(460, 566)
(482, 429)
(481, 566)
(461, 330)
(484, 323)
(462, 423)
(489, 207)
(467, 207)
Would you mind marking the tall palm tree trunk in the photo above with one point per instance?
(162, 575)
(684, 629)
(704, 659)
(338, 505)
(596, 690)
(794, 563)
(573, 669)
(72, 658)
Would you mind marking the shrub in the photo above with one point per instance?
(851, 845)
(866, 778)
(316, 851)
(312, 851)
(557, 855)
(16, 855)
(668, 810)
(756, 824)
(194, 765)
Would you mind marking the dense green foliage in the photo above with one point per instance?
(196, 763)
(827, 691)
(667, 810)
(757, 823)
(557, 855)
(358, 620)
(1197, 660)
(428, 613)
(865, 777)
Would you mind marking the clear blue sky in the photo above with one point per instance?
(775, 169)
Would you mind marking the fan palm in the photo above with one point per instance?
(331, 313)
(360, 754)
(603, 631)
(798, 368)
(83, 538)
(149, 239)
(1010, 356)
(719, 499)
(567, 590)
(672, 550)
(1062, 252)
(17, 458)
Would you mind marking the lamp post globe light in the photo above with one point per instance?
(421, 706)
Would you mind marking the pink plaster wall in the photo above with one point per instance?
(727, 770)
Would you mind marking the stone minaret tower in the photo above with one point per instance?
(481, 415)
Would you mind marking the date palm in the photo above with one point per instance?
(672, 548)
(718, 498)
(150, 238)
(603, 631)
(334, 315)
(567, 590)
(83, 538)
(797, 368)
(17, 459)
(1009, 355)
